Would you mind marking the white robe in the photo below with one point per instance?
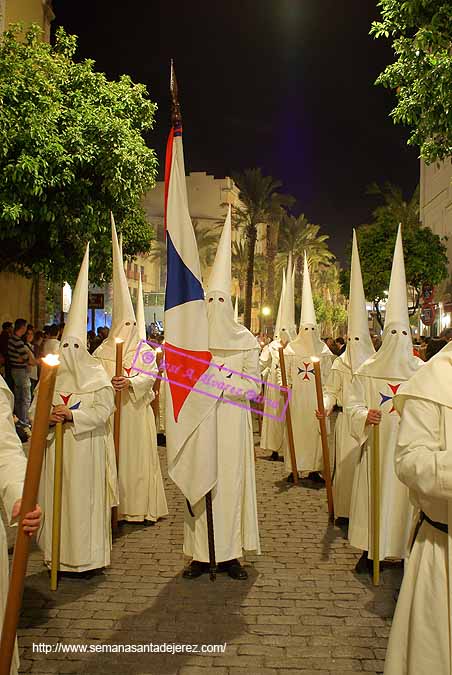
(89, 483)
(395, 507)
(347, 450)
(12, 473)
(273, 430)
(141, 490)
(419, 643)
(234, 501)
(303, 405)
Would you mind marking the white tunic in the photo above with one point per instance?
(12, 473)
(419, 642)
(234, 496)
(395, 508)
(347, 450)
(303, 405)
(89, 483)
(273, 430)
(141, 491)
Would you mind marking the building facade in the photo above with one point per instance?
(436, 213)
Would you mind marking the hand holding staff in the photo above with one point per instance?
(325, 450)
(56, 515)
(293, 457)
(117, 418)
(31, 485)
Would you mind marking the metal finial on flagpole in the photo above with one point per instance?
(176, 116)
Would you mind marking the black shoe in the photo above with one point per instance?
(149, 523)
(233, 569)
(341, 522)
(364, 565)
(195, 569)
(289, 478)
(316, 477)
(274, 456)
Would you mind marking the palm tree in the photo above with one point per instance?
(395, 208)
(207, 238)
(255, 193)
(277, 213)
(239, 261)
(298, 235)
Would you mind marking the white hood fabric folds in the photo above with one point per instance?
(124, 325)
(308, 342)
(359, 344)
(79, 372)
(395, 358)
(224, 331)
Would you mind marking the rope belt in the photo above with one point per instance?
(442, 527)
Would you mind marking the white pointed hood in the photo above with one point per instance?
(78, 372)
(359, 344)
(288, 308)
(224, 332)
(141, 321)
(220, 275)
(123, 324)
(280, 307)
(308, 342)
(395, 358)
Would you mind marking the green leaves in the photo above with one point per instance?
(71, 149)
(421, 75)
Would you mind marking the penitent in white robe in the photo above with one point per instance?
(12, 474)
(273, 430)
(141, 490)
(347, 450)
(234, 496)
(303, 405)
(419, 642)
(396, 510)
(89, 483)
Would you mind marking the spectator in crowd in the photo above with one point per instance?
(434, 346)
(7, 331)
(340, 345)
(32, 363)
(19, 358)
(92, 341)
(447, 334)
(331, 344)
(52, 344)
(38, 342)
(376, 339)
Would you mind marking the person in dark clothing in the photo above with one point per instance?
(19, 359)
(7, 331)
(434, 346)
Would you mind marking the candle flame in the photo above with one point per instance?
(118, 340)
(315, 359)
(51, 360)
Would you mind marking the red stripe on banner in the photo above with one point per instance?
(168, 162)
(183, 370)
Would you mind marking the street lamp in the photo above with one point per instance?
(266, 311)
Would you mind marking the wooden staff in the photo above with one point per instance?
(211, 537)
(117, 419)
(376, 505)
(56, 515)
(325, 450)
(293, 456)
(38, 444)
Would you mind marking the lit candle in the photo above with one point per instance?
(38, 444)
(324, 436)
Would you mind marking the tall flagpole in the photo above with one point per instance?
(176, 120)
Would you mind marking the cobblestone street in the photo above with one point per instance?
(302, 610)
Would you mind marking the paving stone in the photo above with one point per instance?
(302, 610)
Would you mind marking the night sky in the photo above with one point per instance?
(286, 85)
